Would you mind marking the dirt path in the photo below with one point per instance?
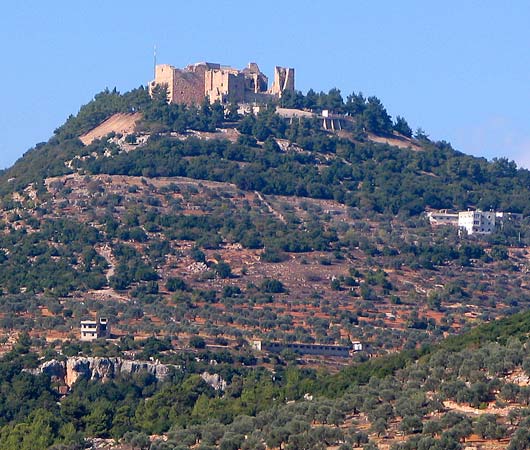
(469, 410)
(269, 207)
(106, 252)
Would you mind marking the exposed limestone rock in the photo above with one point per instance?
(521, 379)
(159, 371)
(104, 369)
(214, 380)
(77, 368)
(54, 369)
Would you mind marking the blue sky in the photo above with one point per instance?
(458, 69)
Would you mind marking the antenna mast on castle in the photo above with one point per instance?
(154, 62)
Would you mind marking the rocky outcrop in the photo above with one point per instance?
(159, 371)
(56, 370)
(104, 369)
(214, 380)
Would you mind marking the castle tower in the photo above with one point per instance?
(283, 81)
(183, 85)
(164, 75)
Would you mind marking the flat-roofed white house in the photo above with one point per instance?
(94, 329)
(477, 222)
(474, 222)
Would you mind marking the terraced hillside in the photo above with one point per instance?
(201, 230)
(192, 224)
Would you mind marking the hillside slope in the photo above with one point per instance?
(252, 226)
(468, 391)
(202, 230)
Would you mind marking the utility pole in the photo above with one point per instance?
(154, 62)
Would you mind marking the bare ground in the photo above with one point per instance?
(118, 123)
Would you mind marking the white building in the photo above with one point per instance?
(357, 346)
(508, 217)
(93, 329)
(308, 349)
(477, 222)
(437, 218)
(474, 222)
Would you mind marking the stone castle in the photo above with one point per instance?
(221, 83)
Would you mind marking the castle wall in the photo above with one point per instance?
(225, 84)
(255, 81)
(183, 85)
(216, 85)
(188, 88)
(236, 88)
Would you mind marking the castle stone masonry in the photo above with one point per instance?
(221, 83)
